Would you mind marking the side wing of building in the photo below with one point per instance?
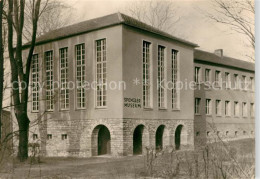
(224, 99)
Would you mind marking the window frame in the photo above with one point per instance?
(236, 81)
(252, 84)
(35, 92)
(207, 75)
(252, 110)
(217, 78)
(218, 107)
(227, 80)
(175, 77)
(103, 74)
(197, 103)
(49, 103)
(63, 68)
(236, 109)
(197, 75)
(243, 82)
(82, 77)
(244, 109)
(208, 109)
(147, 83)
(161, 76)
(227, 108)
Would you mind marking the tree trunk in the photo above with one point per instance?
(23, 123)
(1, 66)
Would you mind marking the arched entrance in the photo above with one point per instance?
(101, 141)
(159, 138)
(140, 139)
(178, 137)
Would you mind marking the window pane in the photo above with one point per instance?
(101, 76)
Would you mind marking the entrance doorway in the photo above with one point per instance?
(178, 137)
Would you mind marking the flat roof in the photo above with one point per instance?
(100, 23)
(201, 56)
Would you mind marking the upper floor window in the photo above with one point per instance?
(64, 68)
(252, 110)
(101, 73)
(227, 80)
(80, 76)
(243, 82)
(174, 79)
(218, 107)
(236, 81)
(146, 74)
(197, 106)
(252, 83)
(197, 78)
(218, 78)
(208, 106)
(35, 83)
(161, 77)
(207, 75)
(244, 109)
(227, 108)
(49, 81)
(236, 108)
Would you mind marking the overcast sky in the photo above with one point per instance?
(193, 25)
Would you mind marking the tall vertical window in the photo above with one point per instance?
(208, 106)
(146, 74)
(252, 110)
(197, 106)
(236, 81)
(101, 73)
(218, 107)
(244, 109)
(161, 77)
(207, 75)
(49, 81)
(197, 75)
(227, 108)
(174, 78)
(243, 82)
(236, 108)
(35, 83)
(218, 78)
(227, 80)
(252, 84)
(64, 91)
(80, 76)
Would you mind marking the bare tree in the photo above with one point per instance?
(238, 15)
(54, 14)
(1, 64)
(15, 20)
(159, 14)
(23, 18)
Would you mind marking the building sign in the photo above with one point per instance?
(132, 102)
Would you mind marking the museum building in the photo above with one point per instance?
(114, 85)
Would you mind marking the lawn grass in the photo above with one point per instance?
(117, 167)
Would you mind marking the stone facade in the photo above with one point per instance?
(82, 136)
